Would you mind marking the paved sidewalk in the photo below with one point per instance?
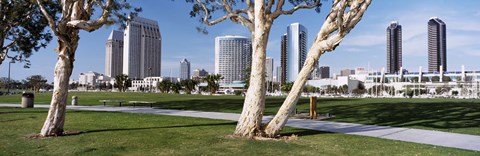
(437, 138)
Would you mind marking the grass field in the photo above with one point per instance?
(111, 133)
(450, 115)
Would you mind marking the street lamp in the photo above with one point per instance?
(9, 64)
(150, 82)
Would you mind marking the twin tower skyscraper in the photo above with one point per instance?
(437, 46)
(136, 51)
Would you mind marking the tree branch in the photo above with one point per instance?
(51, 21)
(91, 26)
(279, 11)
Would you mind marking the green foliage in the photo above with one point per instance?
(35, 82)
(189, 85)
(122, 82)
(164, 86)
(22, 29)
(287, 86)
(176, 87)
(213, 82)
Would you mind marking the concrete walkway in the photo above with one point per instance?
(437, 138)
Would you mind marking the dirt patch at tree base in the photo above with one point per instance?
(38, 136)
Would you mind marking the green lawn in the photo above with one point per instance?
(111, 133)
(450, 115)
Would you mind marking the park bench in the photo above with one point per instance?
(111, 101)
(142, 102)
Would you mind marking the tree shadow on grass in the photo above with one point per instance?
(157, 127)
(233, 105)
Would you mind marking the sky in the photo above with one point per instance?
(365, 46)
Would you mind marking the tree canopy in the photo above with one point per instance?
(22, 29)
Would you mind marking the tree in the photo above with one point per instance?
(176, 87)
(343, 17)
(213, 82)
(287, 86)
(75, 16)
(189, 85)
(22, 29)
(121, 82)
(35, 82)
(164, 86)
(257, 17)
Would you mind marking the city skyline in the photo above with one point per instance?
(363, 47)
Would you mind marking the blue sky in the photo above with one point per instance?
(363, 47)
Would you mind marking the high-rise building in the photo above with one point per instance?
(296, 50)
(199, 74)
(437, 45)
(394, 47)
(184, 69)
(142, 48)
(293, 51)
(269, 69)
(324, 72)
(279, 74)
(282, 73)
(232, 57)
(114, 54)
(347, 72)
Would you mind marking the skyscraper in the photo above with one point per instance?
(114, 54)
(199, 74)
(296, 50)
(142, 48)
(184, 69)
(232, 57)
(437, 45)
(394, 47)
(282, 73)
(269, 69)
(279, 74)
(324, 72)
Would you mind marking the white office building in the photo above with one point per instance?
(296, 50)
(92, 78)
(142, 48)
(114, 54)
(232, 57)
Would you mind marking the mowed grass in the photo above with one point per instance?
(450, 115)
(112, 133)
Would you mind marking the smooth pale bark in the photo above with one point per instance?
(250, 121)
(54, 123)
(75, 16)
(337, 25)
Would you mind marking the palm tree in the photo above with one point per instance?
(164, 86)
(176, 87)
(189, 85)
(213, 82)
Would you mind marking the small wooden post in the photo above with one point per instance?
(313, 107)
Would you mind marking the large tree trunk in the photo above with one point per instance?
(53, 125)
(337, 25)
(249, 123)
(278, 122)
